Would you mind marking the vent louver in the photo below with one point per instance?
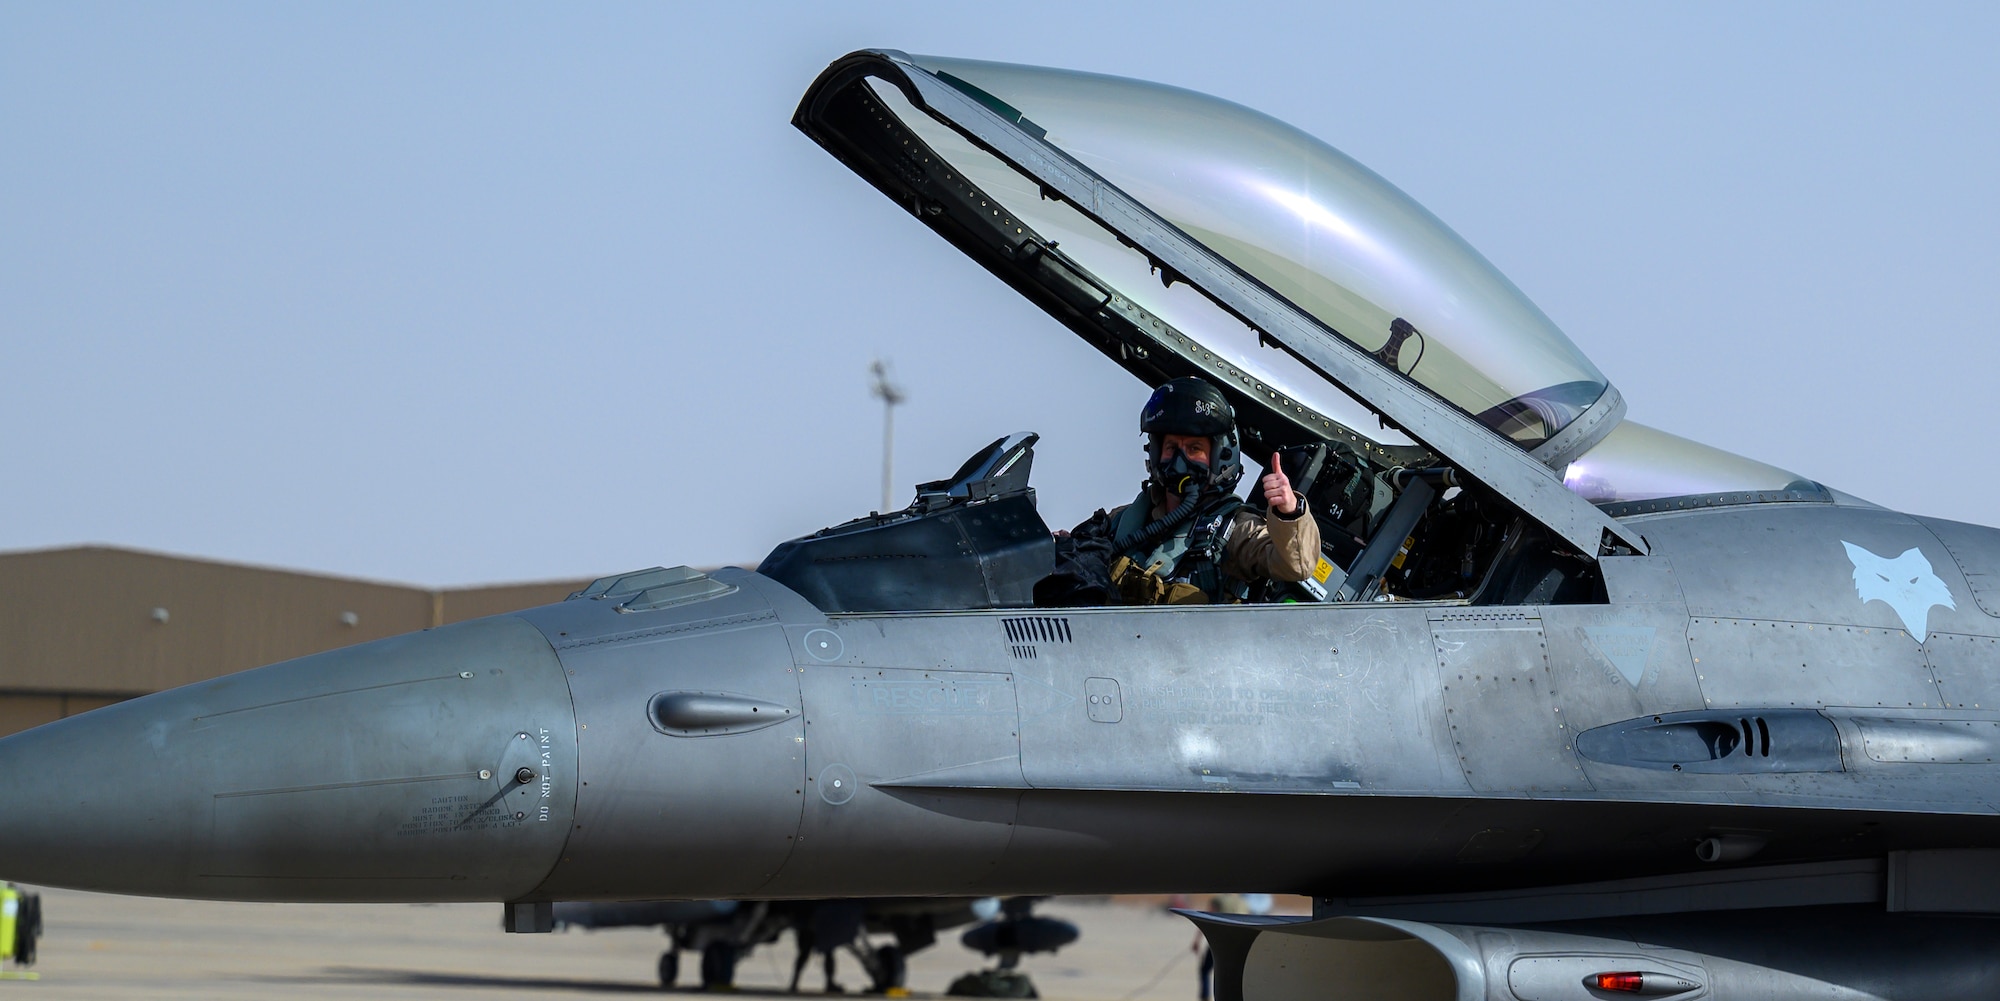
(1024, 632)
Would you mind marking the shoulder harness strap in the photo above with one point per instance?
(1208, 540)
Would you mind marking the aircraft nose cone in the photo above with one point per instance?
(392, 770)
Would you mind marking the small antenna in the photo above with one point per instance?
(890, 394)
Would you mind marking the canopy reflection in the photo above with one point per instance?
(1316, 227)
(1638, 463)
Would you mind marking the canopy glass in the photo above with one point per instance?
(1307, 221)
(1638, 463)
(1231, 351)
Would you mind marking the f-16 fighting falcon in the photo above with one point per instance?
(1569, 707)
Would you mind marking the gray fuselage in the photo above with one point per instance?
(1379, 747)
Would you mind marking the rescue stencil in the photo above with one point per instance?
(1906, 583)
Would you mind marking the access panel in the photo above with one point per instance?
(1504, 715)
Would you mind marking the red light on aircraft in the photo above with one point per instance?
(1623, 983)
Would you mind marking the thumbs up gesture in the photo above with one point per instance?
(1278, 489)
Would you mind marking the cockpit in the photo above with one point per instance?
(1451, 441)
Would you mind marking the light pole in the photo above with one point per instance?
(890, 394)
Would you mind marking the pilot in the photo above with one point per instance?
(1187, 538)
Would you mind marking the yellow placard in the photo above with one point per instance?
(1323, 570)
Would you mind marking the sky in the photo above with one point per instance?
(465, 293)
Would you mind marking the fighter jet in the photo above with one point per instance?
(1575, 708)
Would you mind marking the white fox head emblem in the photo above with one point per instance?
(1906, 584)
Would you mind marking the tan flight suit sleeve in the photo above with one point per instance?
(1272, 547)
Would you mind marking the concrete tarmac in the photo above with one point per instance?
(104, 947)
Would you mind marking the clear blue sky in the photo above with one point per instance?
(470, 292)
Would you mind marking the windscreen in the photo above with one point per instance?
(1312, 224)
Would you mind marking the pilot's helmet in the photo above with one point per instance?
(1191, 406)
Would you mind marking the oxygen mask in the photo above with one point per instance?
(1180, 475)
(1176, 476)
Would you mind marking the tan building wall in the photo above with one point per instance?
(88, 626)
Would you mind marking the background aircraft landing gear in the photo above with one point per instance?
(886, 970)
(718, 966)
(670, 968)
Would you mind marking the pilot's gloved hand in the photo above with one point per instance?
(1139, 585)
(1136, 585)
(1278, 492)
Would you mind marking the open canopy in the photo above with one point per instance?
(1185, 235)
(1311, 224)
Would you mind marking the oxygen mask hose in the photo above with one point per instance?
(1189, 490)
